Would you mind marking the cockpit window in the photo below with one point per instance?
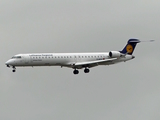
(16, 57)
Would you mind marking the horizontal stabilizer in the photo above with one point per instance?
(148, 41)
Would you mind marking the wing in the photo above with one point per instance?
(90, 64)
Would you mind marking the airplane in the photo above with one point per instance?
(74, 60)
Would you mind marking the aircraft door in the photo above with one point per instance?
(77, 58)
(26, 59)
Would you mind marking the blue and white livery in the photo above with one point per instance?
(74, 60)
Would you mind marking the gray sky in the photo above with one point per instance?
(126, 91)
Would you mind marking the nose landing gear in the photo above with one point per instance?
(8, 66)
(14, 69)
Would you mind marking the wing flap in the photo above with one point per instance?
(94, 63)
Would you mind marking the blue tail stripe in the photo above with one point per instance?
(129, 48)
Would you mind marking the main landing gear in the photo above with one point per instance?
(86, 70)
(14, 68)
(75, 72)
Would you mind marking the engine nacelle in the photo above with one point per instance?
(114, 54)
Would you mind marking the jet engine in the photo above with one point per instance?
(114, 54)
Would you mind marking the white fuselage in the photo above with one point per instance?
(62, 59)
(74, 60)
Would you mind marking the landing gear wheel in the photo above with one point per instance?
(14, 69)
(75, 72)
(86, 70)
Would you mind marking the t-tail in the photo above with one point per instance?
(129, 48)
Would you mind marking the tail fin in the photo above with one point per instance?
(129, 48)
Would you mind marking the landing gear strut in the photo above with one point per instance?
(86, 70)
(14, 69)
(75, 72)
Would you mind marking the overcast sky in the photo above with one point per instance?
(126, 91)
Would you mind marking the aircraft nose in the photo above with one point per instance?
(9, 62)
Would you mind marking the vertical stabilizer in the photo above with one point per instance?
(129, 48)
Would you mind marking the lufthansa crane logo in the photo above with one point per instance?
(129, 48)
